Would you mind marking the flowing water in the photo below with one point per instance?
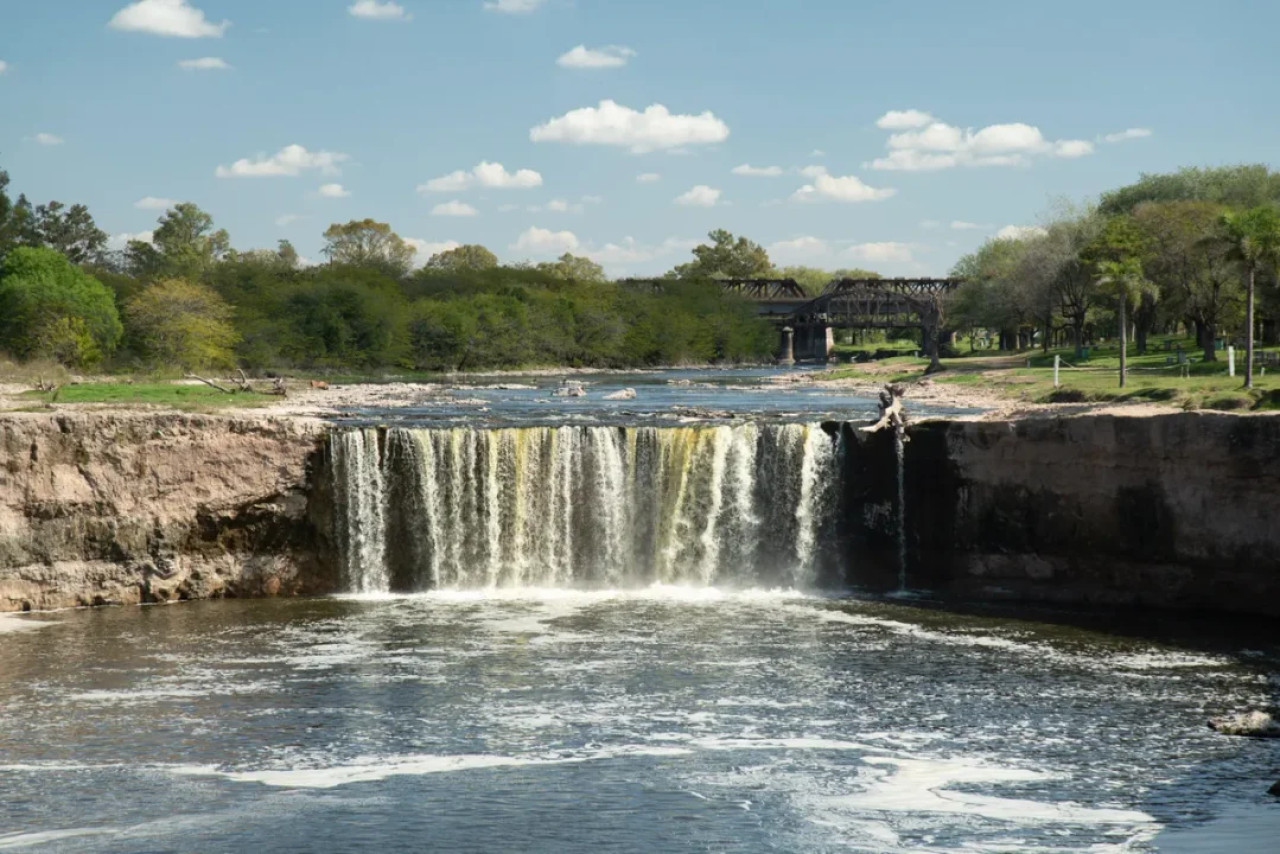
(661, 719)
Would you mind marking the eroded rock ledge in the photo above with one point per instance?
(98, 509)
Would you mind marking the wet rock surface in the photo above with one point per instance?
(1250, 724)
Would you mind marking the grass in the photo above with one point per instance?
(1029, 377)
(199, 398)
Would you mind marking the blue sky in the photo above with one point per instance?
(880, 134)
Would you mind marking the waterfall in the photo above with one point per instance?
(743, 504)
(899, 450)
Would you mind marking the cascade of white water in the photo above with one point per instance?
(555, 506)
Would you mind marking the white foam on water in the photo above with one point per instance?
(11, 841)
(174, 692)
(373, 769)
(14, 623)
(923, 785)
(651, 593)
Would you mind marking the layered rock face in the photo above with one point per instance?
(1179, 510)
(98, 509)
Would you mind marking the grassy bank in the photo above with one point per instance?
(170, 395)
(1029, 377)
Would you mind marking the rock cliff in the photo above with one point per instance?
(98, 508)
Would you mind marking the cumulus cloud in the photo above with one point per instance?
(838, 188)
(757, 171)
(903, 119)
(648, 177)
(424, 249)
(885, 252)
(962, 225)
(1020, 232)
(454, 208)
(629, 251)
(48, 139)
(4, 66)
(333, 191)
(485, 174)
(1122, 136)
(376, 11)
(176, 18)
(513, 7)
(542, 241)
(798, 248)
(561, 206)
(122, 241)
(609, 56)
(923, 143)
(154, 203)
(610, 123)
(204, 63)
(290, 161)
(700, 196)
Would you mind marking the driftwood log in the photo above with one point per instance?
(892, 413)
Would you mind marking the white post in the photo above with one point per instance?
(1057, 363)
(1231, 361)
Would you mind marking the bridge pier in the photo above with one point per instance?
(786, 348)
(814, 342)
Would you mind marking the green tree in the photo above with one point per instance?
(366, 243)
(1243, 186)
(183, 246)
(51, 308)
(574, 268)
(469, 256)
(16, 219)
(726, 257)
(1123, 280)
(69, 230)
(178, 323)
(1252, 239)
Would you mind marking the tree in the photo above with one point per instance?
(1123, 279)
(1190, 266)
(469, 256)
(183, 246)
(365, 243)
(178, 323)
(995, 294)
(69, 230)
(1252, 239)
(1243, 186)
(726, 257)
(51, 308)
(15, 218)
(574, 268)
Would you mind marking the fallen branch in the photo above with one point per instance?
(211, 384)
(891, 412)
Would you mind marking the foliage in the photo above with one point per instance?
(1242, 186)
(174, 322)
(183, 246)
(69, 230)
(469, 256)
(51, 308)
(573, 268)
(726, 257)
(366, 243)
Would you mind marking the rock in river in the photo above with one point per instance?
(1252, 724)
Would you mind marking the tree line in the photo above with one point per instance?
(187, 299)
(1195, 250)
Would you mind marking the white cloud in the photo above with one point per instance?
(204, 63)
(485, 174)
(333, 191)
(883, 253)
(290, 161)
(176, 18)
(903, 119)
(154, 203)
(122, 241)
(424, 249)
(750, 171)
(48, 139)
(513, 7)
(4, 66)
(560, 206)
(813, 171)
(610, 123)
(799, 248)
(628, 251)
(1020, 232)
(542, 241)
(1131, 133)
(454, 208)
(700, 196)
(847, 188)
(924, 143)
(962, 225)
(376, 11)
(286, 219)
(648, 178)
(609, 56)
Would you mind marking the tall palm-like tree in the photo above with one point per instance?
(1252, 238)
(1124, 279)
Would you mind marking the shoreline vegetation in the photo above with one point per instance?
(1176, 268)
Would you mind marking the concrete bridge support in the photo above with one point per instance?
(786, 347)
(814, 342)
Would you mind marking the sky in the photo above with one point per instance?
(836, 133)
